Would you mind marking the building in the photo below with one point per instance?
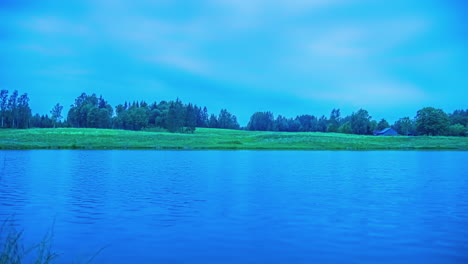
(386, 132)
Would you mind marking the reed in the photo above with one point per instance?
(13, 250)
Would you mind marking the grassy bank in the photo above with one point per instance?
(205, 138)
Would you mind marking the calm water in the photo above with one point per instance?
(241, 206)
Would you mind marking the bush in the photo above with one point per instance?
(457, 130)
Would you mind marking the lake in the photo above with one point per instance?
(240, 206)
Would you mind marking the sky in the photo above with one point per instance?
(290, 57)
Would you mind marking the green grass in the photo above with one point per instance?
(205, 138)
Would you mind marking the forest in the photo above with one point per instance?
(91, 111)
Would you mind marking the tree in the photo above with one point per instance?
(191, 114)
(43, 121)
(308, 123)
(334, 121)
(261, 121)
(90, 111)
(23, 112)
(322, 124)
(213, 122)
(282, 123)
(175, 117)
(13, 109)
(227, 120)
(155, 116)
(121, 119)
(459, 117)
(137, 118)
(3, 106)
(345, 128)
(383, 124)
(77, 117)
(431, 121)
(373, 126)
(202, 117)
(457, 130)
(56, 114)
(294, 125)
(361, 122)
(405, 126)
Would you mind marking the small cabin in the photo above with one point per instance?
(386, 132)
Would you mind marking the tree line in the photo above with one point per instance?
(428, 121)
(14, 110)
(173, 116)
(91, 111)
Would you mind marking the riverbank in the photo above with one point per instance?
(216, 139)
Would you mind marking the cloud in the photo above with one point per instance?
(124, 29)
(51, 25)
(47, 50)
(338, 43)
(344, 51)
(240, 15)
(352, 39)
(181, 62)
(347, 61)
(382, 93)
(63, 71)
(287, 6)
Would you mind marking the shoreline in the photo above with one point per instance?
(206, 139)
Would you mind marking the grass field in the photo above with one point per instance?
(205, 138)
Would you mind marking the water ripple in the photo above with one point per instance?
(244, 206)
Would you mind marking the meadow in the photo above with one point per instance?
(216, 139)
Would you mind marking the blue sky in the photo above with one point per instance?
(291, 57)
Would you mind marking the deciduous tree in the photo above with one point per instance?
(361, 122)
(432, 121)
(56, 114)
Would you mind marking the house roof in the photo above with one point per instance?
(384, 130)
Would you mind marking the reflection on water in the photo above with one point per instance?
(242, 206)
(13, 192)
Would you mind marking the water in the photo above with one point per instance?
(241, 206)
